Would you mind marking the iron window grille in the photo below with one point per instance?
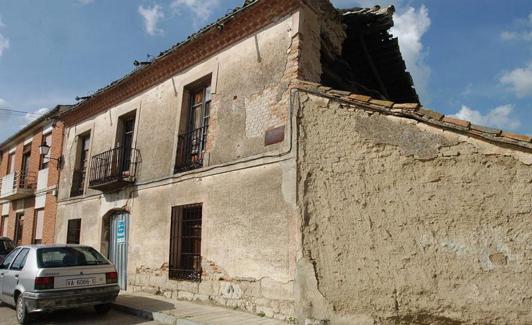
(185, 243)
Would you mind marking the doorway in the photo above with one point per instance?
(118, 245)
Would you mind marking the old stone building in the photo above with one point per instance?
(278, 161)
(29, 177)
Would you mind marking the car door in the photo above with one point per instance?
(11, 277)
(4, 269)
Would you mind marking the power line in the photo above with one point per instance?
(21, 112)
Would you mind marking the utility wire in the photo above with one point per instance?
(21, 112)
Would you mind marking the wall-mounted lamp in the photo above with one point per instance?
(44, 150)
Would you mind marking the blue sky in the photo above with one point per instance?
(469, 58)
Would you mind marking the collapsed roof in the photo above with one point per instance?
(371, 62)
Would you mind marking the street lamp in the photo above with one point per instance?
(44, 150)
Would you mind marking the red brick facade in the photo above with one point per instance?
(27, 205)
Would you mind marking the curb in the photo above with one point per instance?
(154, 316)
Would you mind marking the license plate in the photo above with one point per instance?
(81, 282)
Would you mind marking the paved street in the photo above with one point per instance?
(76, 316)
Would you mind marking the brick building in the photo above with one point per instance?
(229, 171)
(28, 188)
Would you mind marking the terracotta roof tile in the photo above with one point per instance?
(456, 121)
(430, 114)
(414, 111)
(485, 129)
(361, 98)
(520, 137)
(383, 103)
(340, 93)
(411, 106)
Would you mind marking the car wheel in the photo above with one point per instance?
(22, 313)
(102, 309)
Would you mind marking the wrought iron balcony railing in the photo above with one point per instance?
(191, 150)
(78, 183)
(113, 169)
(18, 185)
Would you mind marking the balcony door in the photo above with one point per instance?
(26, 156)
(191, 143)
(19, 228)
(128, 129)
(11, 163)
(200, 104)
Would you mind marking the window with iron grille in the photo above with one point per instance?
(185, 243)
(74, 230)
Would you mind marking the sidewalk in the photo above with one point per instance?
(168, 311)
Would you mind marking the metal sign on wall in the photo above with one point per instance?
(121, 232)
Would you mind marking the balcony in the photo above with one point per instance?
(113, 169)
(78, 183)
(18, 185)
(191, 150)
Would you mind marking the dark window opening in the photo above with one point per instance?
(80, 173)
(73, 231)
(185, 243)
(25, 178)
(127, 129)
(19, 228)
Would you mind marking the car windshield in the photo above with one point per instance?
(6, 246)
(68, 256)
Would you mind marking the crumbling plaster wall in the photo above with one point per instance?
(250, 230)
(405, 223)
(249, 235)
(250, 95)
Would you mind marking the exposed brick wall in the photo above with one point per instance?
(48, 236)
(11, 221)
(55, 152)
(53, 178)
(3, 164)
(29, 216)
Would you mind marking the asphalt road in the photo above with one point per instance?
(76, 316)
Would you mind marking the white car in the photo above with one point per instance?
(42, 278)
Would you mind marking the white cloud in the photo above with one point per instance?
(151, 16)
(499, 117)
(522, 30)
(85, 2)
(4, 41)
(32, 116)
(4, 44)
(519, 80)
(202, 9)
(410, 26)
